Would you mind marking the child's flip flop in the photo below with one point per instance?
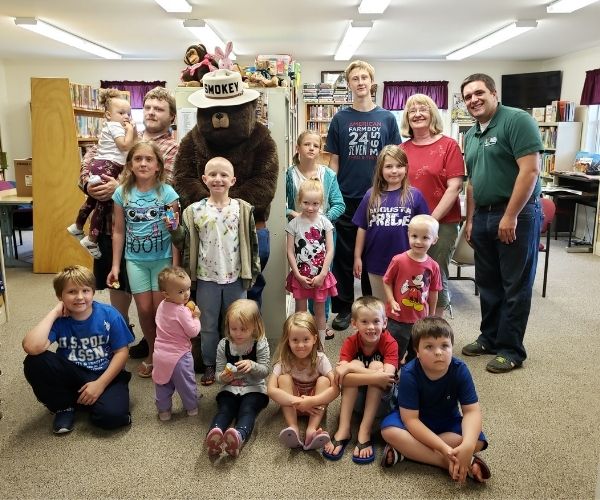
(336, 456)
(365, 460)
(289, 437)
(483, 467)
(397, 456)
(318, 441)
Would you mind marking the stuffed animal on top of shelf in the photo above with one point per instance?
(199, 62)
(223, 57)
(260, 76)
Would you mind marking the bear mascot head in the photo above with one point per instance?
(226, 126)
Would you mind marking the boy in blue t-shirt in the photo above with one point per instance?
(429, 427)
(87, 369)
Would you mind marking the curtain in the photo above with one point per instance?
(395, 94)
(137, 90)
(591, 88)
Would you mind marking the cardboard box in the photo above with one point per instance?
(24, 177)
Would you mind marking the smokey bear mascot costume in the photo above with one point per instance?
(226, 126)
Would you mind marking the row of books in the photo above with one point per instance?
(88, 127)
(547, 163)
(557, 111)
(84, 96)
(324, 112)
(548, 137)
(320, 127)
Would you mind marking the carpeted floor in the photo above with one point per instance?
(542, 421)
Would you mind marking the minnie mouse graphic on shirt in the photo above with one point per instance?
(310, 252)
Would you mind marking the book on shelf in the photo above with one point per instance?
(539, 114)
(587, 163)
(550, 115)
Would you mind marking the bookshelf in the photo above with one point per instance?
(56, 145)
(561, 141)
(318, 115)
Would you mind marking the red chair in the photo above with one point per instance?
(549, 209)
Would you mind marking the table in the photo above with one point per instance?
(8, 202)
(571, 189)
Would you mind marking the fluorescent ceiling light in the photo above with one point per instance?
(175, 5)
(567, 6)
(354, 36)
(373, 6)
(496, 38)
(42, 28)
(206, 35)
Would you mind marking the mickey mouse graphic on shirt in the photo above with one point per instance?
(413, 294)
(310, 252)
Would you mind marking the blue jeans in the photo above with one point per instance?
(243, 409)
(504, 274)
(213, 300)
(264, 250)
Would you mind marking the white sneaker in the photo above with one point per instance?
(193, 412)
(164, 415)
(75, 231)
(91, 247)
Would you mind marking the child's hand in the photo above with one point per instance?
(196, 313)
(306, 405)
(318, 280)
(244, 366)
(304, 281)
(357, 267)
(460, 461)
(340, 372)
(60, 310)
(112, 276)
(90, 392)
(394, 306)
(385, 380)
(226, 376)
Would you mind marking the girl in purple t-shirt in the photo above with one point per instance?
(383, 216)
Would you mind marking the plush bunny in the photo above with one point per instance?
(223, 57)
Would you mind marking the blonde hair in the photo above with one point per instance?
(358, 64)
(247, 313)
(79, 275)
(106, 96)
(425, 220)
(373, 304)
(435, 124)
(284, 354)
(379, 183)
(128, 178)
(296, 158)
(167, 274)
(310, 186)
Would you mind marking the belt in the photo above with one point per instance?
(501, 207)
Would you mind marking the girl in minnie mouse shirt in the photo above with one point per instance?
(310, 252)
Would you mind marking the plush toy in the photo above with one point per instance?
(226, 126)
(223, 57)
(199, 62)
(261, 76)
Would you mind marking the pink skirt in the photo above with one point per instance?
(328, 288)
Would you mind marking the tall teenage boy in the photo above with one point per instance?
(355, 138)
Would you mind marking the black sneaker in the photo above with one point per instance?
(341, 321)
(139, 351)
(64, 421)
(475, 349)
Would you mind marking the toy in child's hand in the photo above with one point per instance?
(116, 285)
(170, 215)
(230, 369)
(94, 179)
(191, 305)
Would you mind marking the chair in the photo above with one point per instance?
(549, 209)
(463, 256)
(22, 217)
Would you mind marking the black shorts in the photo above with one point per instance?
(103, 265)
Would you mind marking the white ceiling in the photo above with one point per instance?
(306, 29)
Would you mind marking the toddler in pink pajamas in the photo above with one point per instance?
(177, 322)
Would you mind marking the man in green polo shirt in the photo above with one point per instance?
(503, 219)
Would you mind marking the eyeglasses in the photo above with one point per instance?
(422, 110)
